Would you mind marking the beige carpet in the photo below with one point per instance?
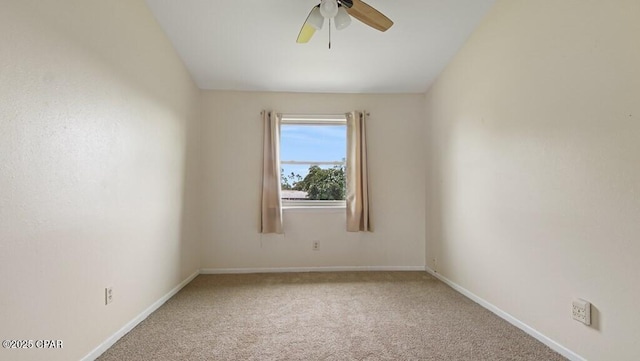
(324, 316)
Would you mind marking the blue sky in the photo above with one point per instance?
(311, 143)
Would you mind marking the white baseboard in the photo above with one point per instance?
(310, 269)
(507, 317)
(133, 323)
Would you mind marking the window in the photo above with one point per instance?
(312, 160)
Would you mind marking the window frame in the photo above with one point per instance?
(315, 119)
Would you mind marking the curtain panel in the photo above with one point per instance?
(357, 177)
(271, 212)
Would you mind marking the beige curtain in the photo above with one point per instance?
(357, 179)
(271, 202)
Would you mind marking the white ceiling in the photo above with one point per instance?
(251, 44)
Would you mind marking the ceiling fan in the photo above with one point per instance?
(341, 11)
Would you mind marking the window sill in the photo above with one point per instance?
(304, 209)
(313, 204)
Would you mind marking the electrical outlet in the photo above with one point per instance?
(108, 295)
(581, 311)
(316, 245)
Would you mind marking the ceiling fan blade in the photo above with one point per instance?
(307, 31)
(368, 15)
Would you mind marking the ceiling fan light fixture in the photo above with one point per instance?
(315, 18)
(328, 8)
(342, 19)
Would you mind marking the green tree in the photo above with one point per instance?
(323, 184)
(289, 182)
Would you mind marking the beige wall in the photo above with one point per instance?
(533, 136)
(232, 148)
(96, 111)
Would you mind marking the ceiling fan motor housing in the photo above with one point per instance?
(346, 3)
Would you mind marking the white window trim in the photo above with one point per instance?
(313, 119)
(310, 162)
(317, 119)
